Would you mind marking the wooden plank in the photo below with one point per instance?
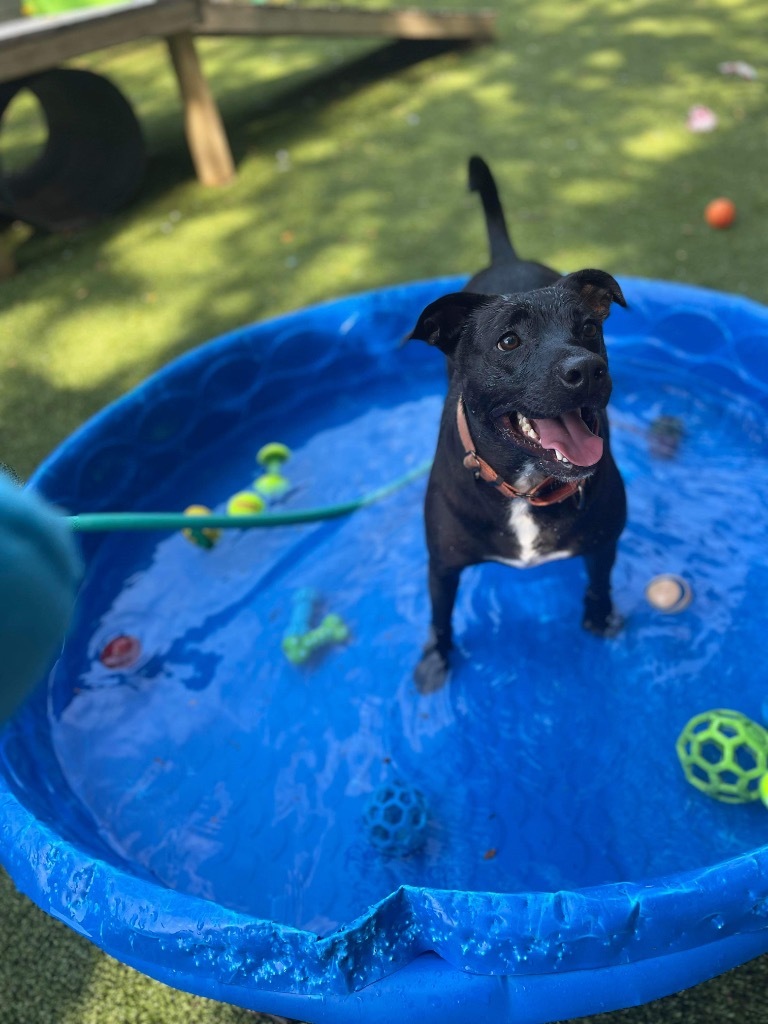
(206, 137)
(28, 45)
(226, 18)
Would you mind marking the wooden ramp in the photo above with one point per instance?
(32, 45)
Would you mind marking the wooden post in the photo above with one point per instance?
(206, 136)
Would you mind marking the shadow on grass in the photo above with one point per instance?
(249, 123)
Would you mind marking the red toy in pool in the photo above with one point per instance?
(121, 652)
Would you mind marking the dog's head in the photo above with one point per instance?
(532, 368)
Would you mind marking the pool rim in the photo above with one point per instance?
(344, 966)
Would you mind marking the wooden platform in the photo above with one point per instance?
(30, 45)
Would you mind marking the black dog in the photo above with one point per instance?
(523, 472)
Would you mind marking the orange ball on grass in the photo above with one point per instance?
(720, 213)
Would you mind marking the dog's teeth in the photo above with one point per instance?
(526, 427)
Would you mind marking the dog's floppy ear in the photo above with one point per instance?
(597, 289)
(441, 323)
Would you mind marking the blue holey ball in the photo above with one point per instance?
(396, 819)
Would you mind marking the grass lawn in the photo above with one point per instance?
(352, 175)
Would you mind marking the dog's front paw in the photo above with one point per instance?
(431, 673)
(605, 626)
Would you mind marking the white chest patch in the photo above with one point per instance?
(523, 525)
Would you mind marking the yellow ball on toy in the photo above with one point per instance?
(204, 537)
(245, 503)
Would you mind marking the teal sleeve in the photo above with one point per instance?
(39, 573)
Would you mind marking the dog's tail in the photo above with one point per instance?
(481, 181)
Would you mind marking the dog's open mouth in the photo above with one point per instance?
(572, 439)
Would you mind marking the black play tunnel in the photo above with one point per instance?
(92, 162)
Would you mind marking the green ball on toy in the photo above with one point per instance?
(272, 456)
(271, 485)
(724, 754)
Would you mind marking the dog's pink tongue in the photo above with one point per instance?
(571, 436)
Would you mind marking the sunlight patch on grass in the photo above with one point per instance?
(660, 144)
(609, 59)
(568, 258)
(173, 238)
(318, 148)
(78, 361)
(671, 25)
(24, 133)
(597, 191)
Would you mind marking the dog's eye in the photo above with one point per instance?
(589, 330)
(508, 342)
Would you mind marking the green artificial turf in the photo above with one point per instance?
(352, 175)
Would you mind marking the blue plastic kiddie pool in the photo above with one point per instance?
(311, 836)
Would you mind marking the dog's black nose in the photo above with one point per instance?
(584, 375)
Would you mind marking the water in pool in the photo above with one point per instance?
(219, 768)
